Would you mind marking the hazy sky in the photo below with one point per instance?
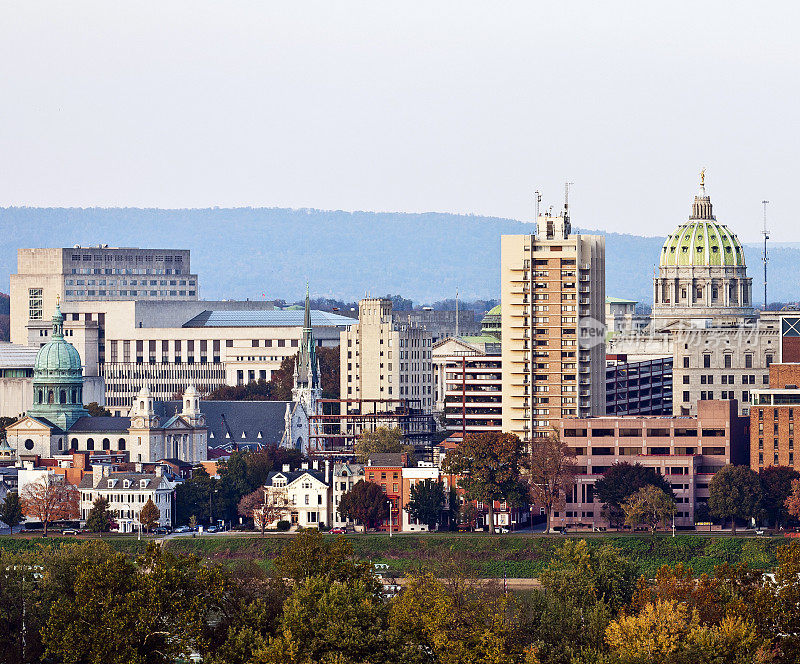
(408, 106)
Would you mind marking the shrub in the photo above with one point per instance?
(284, 525)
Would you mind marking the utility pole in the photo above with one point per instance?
(764, 257)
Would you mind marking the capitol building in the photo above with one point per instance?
(702, 271)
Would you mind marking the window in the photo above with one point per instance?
(706, 361)
(748, 361)
(685, 362)
(728, 360)
(35, 303)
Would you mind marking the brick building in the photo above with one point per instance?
(772, 418)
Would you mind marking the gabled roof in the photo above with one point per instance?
(153, 481)
(294, 475)
(39, 420)
(89, 424)
(388, 459)
(228, 420)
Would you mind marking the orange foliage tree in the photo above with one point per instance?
(50, 499)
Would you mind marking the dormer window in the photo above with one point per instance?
(142, 484)
(111, 484)
(126, 483)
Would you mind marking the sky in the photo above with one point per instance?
(407, 106)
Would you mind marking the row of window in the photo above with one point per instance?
(128, 293)
(131, 258)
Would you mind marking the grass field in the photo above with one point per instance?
(516, 556)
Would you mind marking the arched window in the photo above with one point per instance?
(40, 396)
(141, 405)
(121, 444)
(60, 444)
(74, 395)
(90, 444)
(62, 396)
(299, 442)
(29, 444)
(74, 445)
(106, 444)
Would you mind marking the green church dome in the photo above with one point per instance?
(58, 356)
(701, 240)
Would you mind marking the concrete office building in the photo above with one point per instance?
(687, 451)
(552, 312)
(722, 362)
(621, 316)
(98, 273)
(168, 346)
(382, 359)
(468, 384)
(638, 388)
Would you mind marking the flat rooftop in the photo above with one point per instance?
(269, 318)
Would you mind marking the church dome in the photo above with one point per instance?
(701, 241)
(57, 356)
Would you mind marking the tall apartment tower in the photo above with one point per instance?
(552, 308)
(46, 276)
(381, 359)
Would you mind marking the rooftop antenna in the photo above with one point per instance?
(456, 311)
(566, 199)
(538, 198)
(764, 257)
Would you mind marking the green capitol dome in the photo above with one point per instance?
(701, 270)
(701, 240)
(58, 380)
(57, 357)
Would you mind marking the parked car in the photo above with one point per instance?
(182, 529)
(338, 531)
(69, 531)
(160, 531)
(501, 529)
(212, 529)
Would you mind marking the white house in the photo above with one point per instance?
(307, 496)
(127, 493)
(411, 476)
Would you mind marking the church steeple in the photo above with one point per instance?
(306, 369)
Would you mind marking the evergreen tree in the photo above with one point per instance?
(11, 510)
(99, 519)
(427, 502)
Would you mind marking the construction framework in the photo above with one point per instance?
(340, 422)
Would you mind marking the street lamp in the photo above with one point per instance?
(389, 503)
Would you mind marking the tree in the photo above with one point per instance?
(734, 493)
(550, 473)
(792, 502)
(649, 506)
(263, 507)
(50, 499)
(365, 502)
(427, 502)
(776, 486)
(149, 515)
(99, 519)
(96, 410)
(255, 390)
(11, 510)
(381, 440)
(329, 371)
(311, 554)
(489, 466)
(155, 608)
(623, 479)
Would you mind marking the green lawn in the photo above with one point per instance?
(520, 556)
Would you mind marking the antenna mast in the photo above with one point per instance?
(764, 257)
(538, 198)
(456, 311)
(566, 200)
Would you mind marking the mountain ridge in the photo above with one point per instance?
(249, 251)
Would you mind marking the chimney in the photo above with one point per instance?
(304, 465)
(159, 470)
(286, 468)
(327, 469)
(138, 466)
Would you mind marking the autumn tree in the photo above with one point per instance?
(489, 468)
(96, 410)
(263, 506)
(427, 502)
(792, 502)
(550, 473)
(99, 519)
(620, 481)
(381, 440)
(365, 502)
(149, 515)
(776, 486)
(11, 510)
(649, 506)
(734, 493)
(50, 499)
